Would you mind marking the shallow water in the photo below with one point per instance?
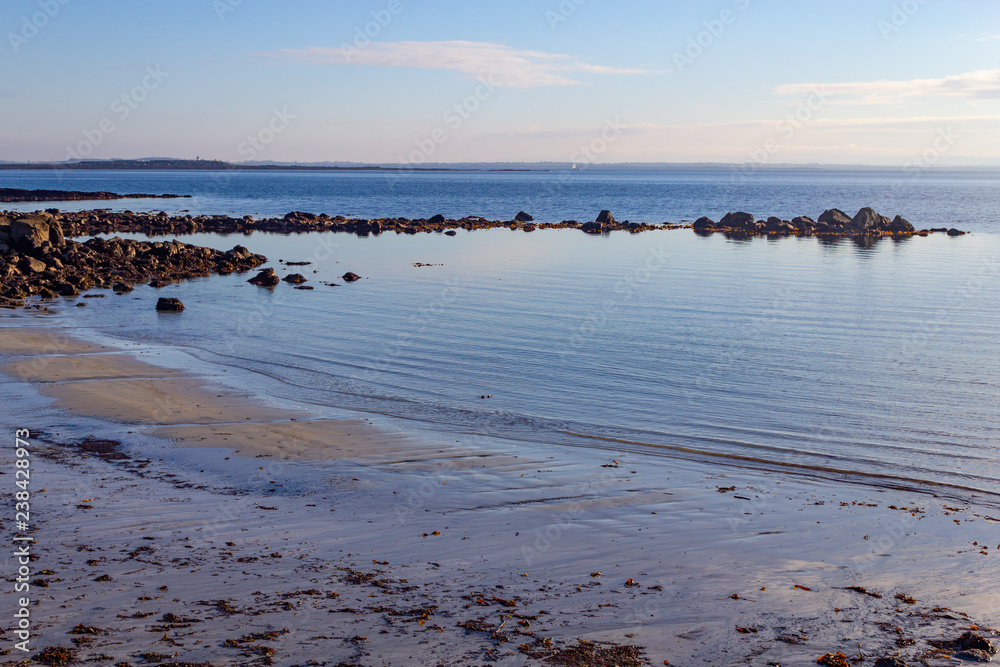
(826, 358)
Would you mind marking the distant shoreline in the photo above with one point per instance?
(218, 165)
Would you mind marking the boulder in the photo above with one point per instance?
(740, 221)
(266, 278)
(436, 219)
(955, 232)
(32, 233)
(803, 223)
(350, 277)
(158, 283)
(121, 288)
(31, 265)
(605, 218)
(900, 225)
(868, 220)
(835, 217)
(450, 232)
(704, 224)
(169, 305)
(66, 289)
(523, 217)
(295, 278)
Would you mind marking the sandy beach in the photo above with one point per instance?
(257, 535)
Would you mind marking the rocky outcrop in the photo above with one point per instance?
(900, 226)
(605, 218)
(43, 263)
(8, 195)
(867, 220)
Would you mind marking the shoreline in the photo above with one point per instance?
(556, 515)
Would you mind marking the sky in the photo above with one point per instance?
(587, 81)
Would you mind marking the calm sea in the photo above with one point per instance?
(875, 363)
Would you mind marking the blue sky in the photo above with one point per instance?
(403, 81)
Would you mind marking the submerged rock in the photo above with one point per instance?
(266, 278)
(350, 277)
(169, 305)
(295, 278)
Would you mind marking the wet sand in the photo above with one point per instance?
(388, 542)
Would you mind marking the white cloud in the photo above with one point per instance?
(985, 38)
(504, 65)
(982, 84)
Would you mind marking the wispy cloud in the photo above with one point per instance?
(985, 38)
(981, 84)
(503, 65)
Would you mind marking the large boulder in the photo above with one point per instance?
(435, 219)
(900, 225)
(523, 217)
(868, 220)
(835, 217)
(803, 223)
(740, 221)
(32, 233)
(605, 218)
(704, 224)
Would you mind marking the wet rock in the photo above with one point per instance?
(436, 219)
(955, 232)
(32, 233)
(523, 217)
(835, 217)
(158, 283)
(350, 277)
(704, 224)
(900, 225)
(738, 221)
(266, 278)
(169, 305)
(868, 220)
(892, 661)
(605, 218)
(450, 232)
(121, 288)
(804, 223)
(66, 289)
(295, 278)
(974, 655)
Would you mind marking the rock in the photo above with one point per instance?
(593, 227)
(169, 305)
(529, 228)
(900, 225)
(891, 661)
(350, 277)
(66, 289)
(295, 278)
(306, 287)
(739, 221)
(835, 217)
(32, 233)
(158, 283)
(868, 220)
(31, 265)
(704, 224)
(605, 218)
(974, 655)
(436, 219)
(803, 222)
(450, 232)
(523, 217)
(266, 278)
(955, 232)
(121, 288)
(974, 641)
